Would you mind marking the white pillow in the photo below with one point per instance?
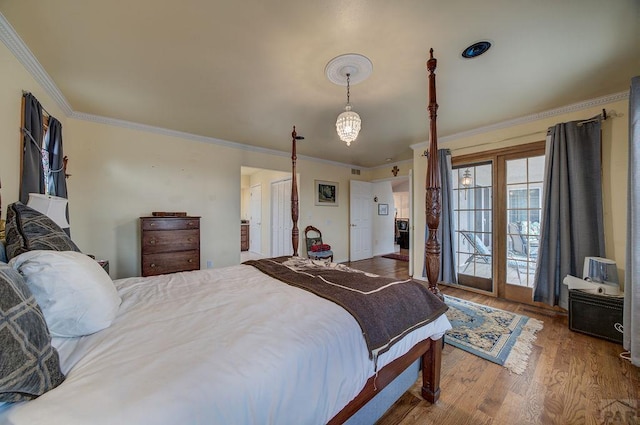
(76, 295)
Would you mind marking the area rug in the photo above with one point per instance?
(396, 256)
(499, 336)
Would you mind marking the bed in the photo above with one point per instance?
(241, 344)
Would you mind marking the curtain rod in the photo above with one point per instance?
(600, 117)
(43, 110)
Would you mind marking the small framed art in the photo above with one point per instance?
(383, 209)
(326, 193)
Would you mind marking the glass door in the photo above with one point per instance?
(497, 202)
(523, 196)
(473, 224)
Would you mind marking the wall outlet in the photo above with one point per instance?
(209, 264)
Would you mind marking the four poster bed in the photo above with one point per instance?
(236, 345)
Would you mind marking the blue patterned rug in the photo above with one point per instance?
(499, 336)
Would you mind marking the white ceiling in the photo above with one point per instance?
(247, 71)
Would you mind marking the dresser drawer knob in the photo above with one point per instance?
(152, 265)
(191, 260)
(152, 241)
(152, 224)
(190, 240)
(190, 223)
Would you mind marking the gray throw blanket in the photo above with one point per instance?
(386, 309)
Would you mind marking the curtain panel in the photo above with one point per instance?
(445, 232)
(57, 183)
(32, 179)
(631, 321)
(572, 215)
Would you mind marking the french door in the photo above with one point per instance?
(473, 224)
(497, 212)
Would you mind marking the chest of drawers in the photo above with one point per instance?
(244, 237)
(169, 244)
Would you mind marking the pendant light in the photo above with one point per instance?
(349, 123)
(345, 70)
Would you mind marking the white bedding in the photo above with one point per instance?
(220, 346)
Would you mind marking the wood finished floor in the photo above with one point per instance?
(571, 378)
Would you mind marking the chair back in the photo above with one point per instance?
(477, 244)
(312, 236)
(517, 243)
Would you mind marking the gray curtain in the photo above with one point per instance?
(57, 184)
(445, 230)
(32, 179)
(572, 218)
(631, 323)
(446, 234)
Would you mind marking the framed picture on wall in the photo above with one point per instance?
(326, 193)
(383, 209)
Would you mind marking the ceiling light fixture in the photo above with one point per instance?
(345, 70)
(348, 123)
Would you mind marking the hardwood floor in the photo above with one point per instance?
(571, 378)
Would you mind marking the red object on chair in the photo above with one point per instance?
(320, 247)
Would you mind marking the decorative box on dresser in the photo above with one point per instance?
(169, 244)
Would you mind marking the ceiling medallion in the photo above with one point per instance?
(345, 70)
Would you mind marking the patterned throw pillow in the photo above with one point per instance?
(30, 366)
(28, 230)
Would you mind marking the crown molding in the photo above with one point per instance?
(194, 137)
(20, 50)
(574, 107)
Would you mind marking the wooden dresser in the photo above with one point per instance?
(244, 236)
(169, 244)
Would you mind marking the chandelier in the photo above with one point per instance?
(349, 123)
(345, 70)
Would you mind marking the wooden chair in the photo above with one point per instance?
(312, 237)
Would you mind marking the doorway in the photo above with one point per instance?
(497, 213)
(256, 209)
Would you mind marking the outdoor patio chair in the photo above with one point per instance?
(480, 250)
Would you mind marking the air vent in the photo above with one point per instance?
(355, 171)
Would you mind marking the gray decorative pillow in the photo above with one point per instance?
(29, 365)
(29, 230)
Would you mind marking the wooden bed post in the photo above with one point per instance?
(432, 186)
(295, 233)
(431, 365)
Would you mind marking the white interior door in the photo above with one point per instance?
(412, 224)
(281, 223)
(255, 219)
(360, 217)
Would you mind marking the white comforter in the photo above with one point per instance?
(220, 346)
